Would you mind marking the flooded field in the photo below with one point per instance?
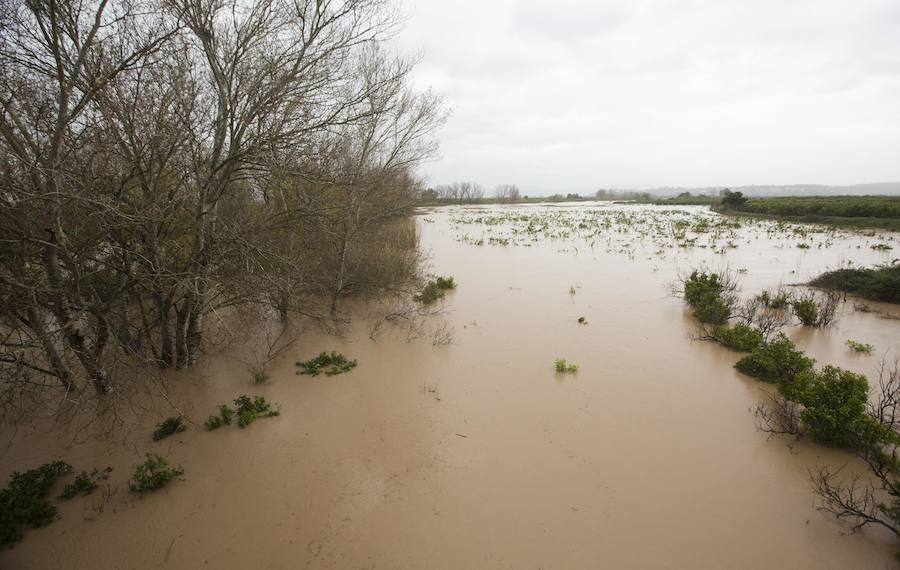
(455, 444)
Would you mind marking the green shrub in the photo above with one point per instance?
(260, 377)
(712, 310)
(740, 337)
(84, 484)
(834, 402)
(154, 473)
(23, 503)
(777, 301)
(249, 410)
(332, 363)
(699, 286)
(775, 361)
(445, 283)
(213, 422)
(562, 366)
(435, 289)
(168, 427)
(878, 284)
(860, 347)
(224, 418)
(807, 310)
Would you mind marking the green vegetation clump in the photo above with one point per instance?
(23, 503)
(435, 289)
(807, 310)
(582, 320)
(331, 363)
(775, 361)
(834, 404)
(777, 301)
(224, 418)
(260, 377)
(249, 410)
(154, 473)
(877, 284)
(860, 347)
(169, 426)
(700, 285)
(704, 292)
(562, 366)
(740, 337)
(84, 484)
(825, 206)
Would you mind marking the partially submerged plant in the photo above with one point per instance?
(740, 337)
(84, 484)
(249, 410)
(860, 347)
(224, 418)
(24, 501)
(154, 473)
(169, 426)
(775, 361)
(435, 289)
(562, 366)
(260, 377)
(582, 321)
(332, 363)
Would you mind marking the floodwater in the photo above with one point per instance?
(455, 444)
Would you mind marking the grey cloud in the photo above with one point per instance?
(572, 96)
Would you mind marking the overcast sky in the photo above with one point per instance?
(572, 96)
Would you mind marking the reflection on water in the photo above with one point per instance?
(474, 453)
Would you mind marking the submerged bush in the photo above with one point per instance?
(435, 289)
(168, 427)
(224, 418)
(249, 410)
(712, 310)
(23, 503)
(700, 285)
(740, 337)
(779, 300)
(260, 377)
(834, 404)
(775, 361)
(154, 473)
(704, 292)
(878, 284)
(860, 347)
(562, 366)
(332, 363)
(807, 310)
(84, 484)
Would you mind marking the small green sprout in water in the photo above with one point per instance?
(154, 473)
(562, 366)
(168, 427)
(331, 363)
(571, 289)
(860, 347)
(84, 484)
(582, 321)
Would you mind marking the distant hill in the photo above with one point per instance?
(875, 188)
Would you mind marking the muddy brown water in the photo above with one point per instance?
(476, 453)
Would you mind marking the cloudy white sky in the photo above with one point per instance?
(572, 96)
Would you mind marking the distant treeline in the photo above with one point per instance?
(851, 211)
